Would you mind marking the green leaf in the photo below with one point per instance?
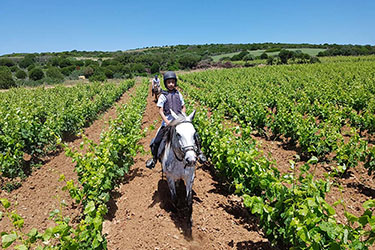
(303, 234)
(21, 247)
(313, 160)
(363, 220)
(8, 239)
(334, 246)
(33, 232)
(351, 217)
(369, 204)
(89, 207)
(47, 234)
(5, 202)
(330, 210)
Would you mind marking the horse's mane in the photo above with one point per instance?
(181, 118)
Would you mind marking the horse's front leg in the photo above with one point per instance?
(189, 197)
(172, 189)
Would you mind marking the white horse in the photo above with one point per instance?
(179, 157)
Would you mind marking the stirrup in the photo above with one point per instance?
(202, 158)
(150, 163)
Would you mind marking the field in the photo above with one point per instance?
(311, 52)
(291, 151)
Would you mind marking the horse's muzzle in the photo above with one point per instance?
(190, 163)
(190, 158)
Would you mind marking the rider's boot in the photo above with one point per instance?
(152, 162)
(201, 157)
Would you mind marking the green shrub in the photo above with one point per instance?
(68, 70)
(75, 74)
(138, 68)
(88, 71)
(6, 62)
(188, 60)
(155, 68)
(13, 68)
(36, 74)
(54, 73)
(108, 73)
(248, 57)
(30, 67)
(264, 56)
(118, 76)
(64, 62)
(6, 79)
(20, 74)
(27, 61)
(100, 76)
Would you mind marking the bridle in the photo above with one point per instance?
(187, 148)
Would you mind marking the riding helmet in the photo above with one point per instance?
(169, 75)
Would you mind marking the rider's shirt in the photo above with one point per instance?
(174, 97)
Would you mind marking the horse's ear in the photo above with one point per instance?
(174, 114)
(191, 116)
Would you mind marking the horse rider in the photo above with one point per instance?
(170, 99)
(155, 82)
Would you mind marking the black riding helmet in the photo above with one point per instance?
(169, 75)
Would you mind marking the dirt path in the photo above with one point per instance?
(140, 216)
(41, 192)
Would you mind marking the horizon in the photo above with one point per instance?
(149, 47)
(44, 27)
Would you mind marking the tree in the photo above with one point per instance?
(284, 55)
(88, 71)
(54, 73)
(6, 62)
(264, 55)
(98, 76)
(64, 62)
(20, 74)
(27, 61)
(68, 70)
(155, 68)
(189, 60)
(108, 72)
(6, 79)
(36, 74)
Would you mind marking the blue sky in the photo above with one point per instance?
(53, 26)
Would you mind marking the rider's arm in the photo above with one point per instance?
(161, 112)
(183, 109)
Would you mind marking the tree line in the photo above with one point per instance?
(20, 69)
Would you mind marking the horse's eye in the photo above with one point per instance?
(178, 135)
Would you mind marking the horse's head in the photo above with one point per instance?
(183, 143)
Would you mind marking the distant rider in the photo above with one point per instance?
(155, 83)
